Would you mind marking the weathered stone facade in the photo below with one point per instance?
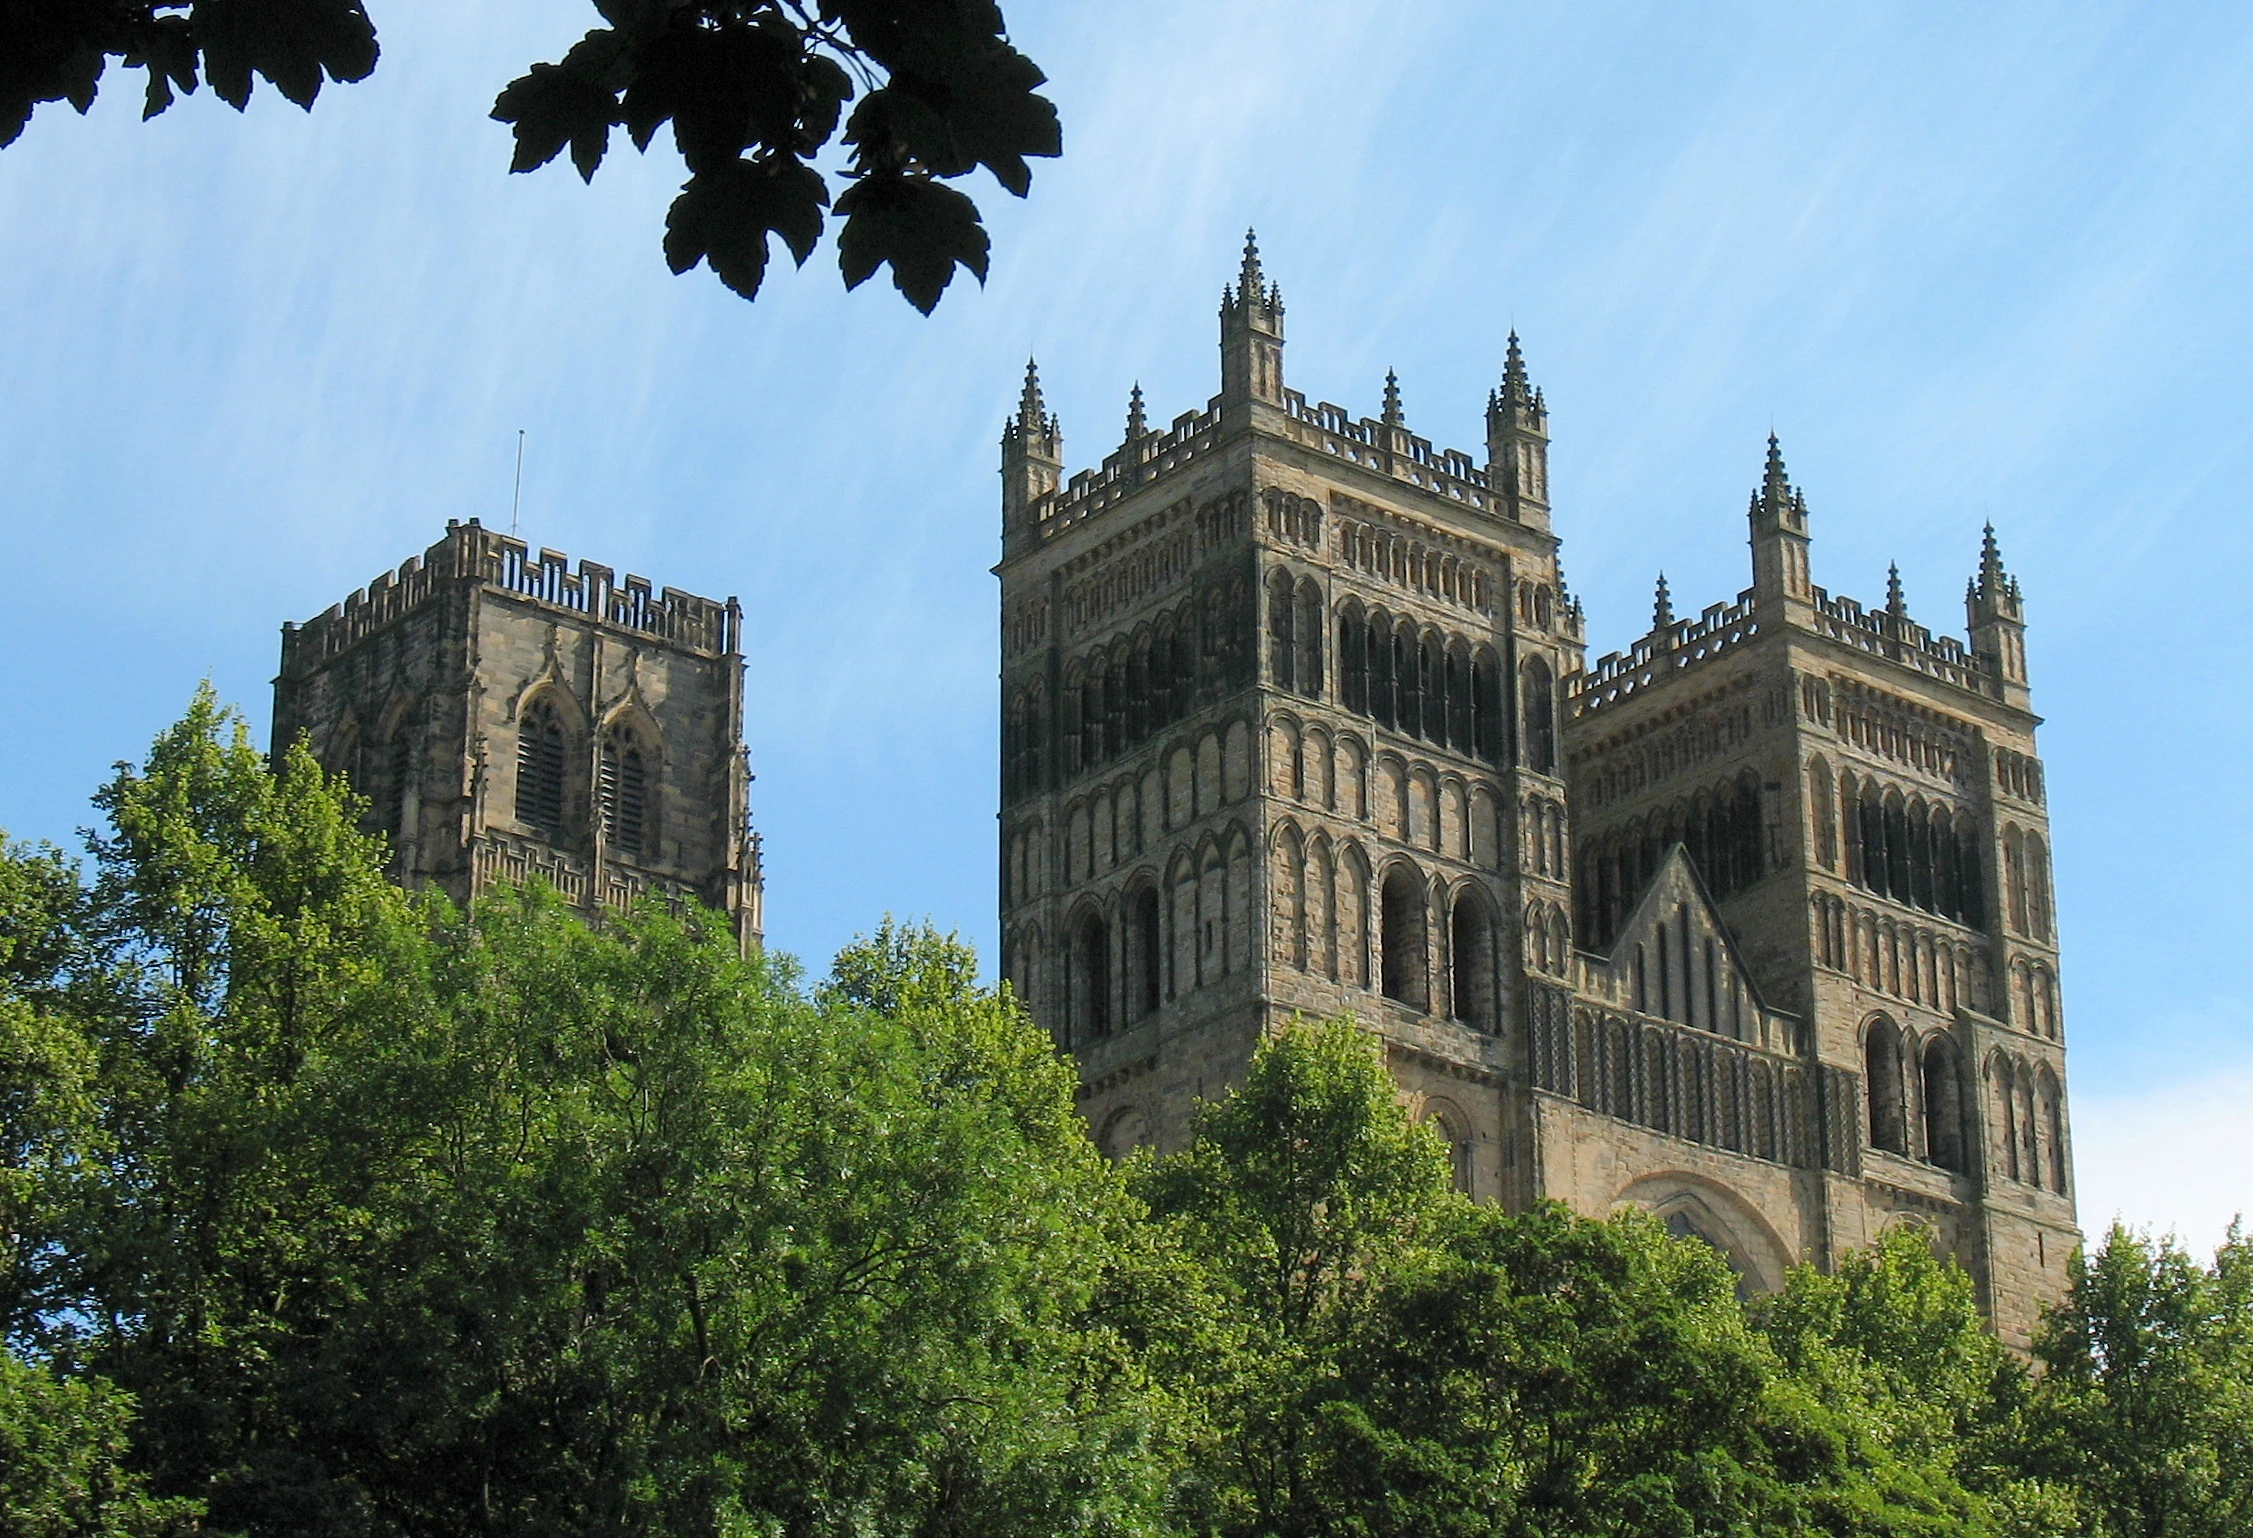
(507, 717)
(1750, 926)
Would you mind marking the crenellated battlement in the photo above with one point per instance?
(1326, 428)
(1881, 632)
(1665, 651)
(474, 554)
(1890, 633)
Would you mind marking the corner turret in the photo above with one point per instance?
(1517, 443)
(1251, 335)
(1779, 539)
(1032, 462)
(1996, 617)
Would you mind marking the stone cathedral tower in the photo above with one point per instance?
(1750, 925)
(508, 717)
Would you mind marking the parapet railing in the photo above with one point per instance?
(1131, 464)
(1668, 650)
(1883, 633)
(1324, 427)
(470, 552)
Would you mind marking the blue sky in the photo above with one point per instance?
(1970, 263)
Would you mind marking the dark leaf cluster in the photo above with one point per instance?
(755, 90)
(58, 50)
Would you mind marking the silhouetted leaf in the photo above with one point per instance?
(166, 48)
(552, 105)
(724, 214)
(922, 228)
(292, 43)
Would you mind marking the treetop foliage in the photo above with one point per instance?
(327, 1209)
(755, 91)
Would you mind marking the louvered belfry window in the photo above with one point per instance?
(539, 772)
(397, 777)
(625, 792)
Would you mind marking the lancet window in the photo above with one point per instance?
(625, 791)
(542, 753)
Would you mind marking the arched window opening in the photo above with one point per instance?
(398, 777)
(2014, 878)
(1881, 1061)
(1825, 816)
(1750, 862)
(1094, 748)
(1353, 661)
(1898, 855)
(1449, 1123)
(1384, 682)
(1144, 953)
(1943, 1105)
(1459, 699)
(2038, 886)
(1921, 890)
(1309, 629)
(1282, 631)
(1471, 953)
(1432, 656)
(1404, 974)
(625, 793)
(2053, 1129)
(1486, 706)
(541, 756)
(1408, 678)
(1138, 693)
(1091, 979)
(1540, 717)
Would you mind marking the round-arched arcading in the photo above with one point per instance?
(1473, 983)
(1090, 977)
(1123, 1131)
(1404, 968)
(1695, 1207)
(1446, 1118)
(1944, 1138)
(1882, 1081)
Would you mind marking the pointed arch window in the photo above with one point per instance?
(625, 793)
(541, 756)
(398, 775)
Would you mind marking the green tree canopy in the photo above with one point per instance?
(2145, 1408)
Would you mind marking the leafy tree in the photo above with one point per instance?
(1299, 1189)
(62, 1462)
(2145, 1410)
(396, 1221)
(755, 91)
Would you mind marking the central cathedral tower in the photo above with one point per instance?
(1749, 926)
(1281, 705)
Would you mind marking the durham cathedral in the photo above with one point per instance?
(1749, 925)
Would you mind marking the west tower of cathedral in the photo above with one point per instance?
(507, 716)
(1749, 925)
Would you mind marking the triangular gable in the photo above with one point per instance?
(1674, 959)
